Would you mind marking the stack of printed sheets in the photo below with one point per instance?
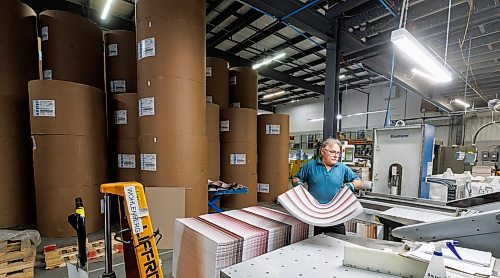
(206, 244)
(301, 204)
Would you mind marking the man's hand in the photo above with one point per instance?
(355, 184)
(350, 186)
(297, 181)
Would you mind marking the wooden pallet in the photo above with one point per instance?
(59, 257)
(17, 258)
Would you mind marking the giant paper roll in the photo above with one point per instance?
(217, 73)
(126, 159)
(243, 87)
(72, 48)
(272, 145)
(121, 66)
(170, 48)
(18, 47)
(191, 12)
(14, 116)
(238, 125)
(125, 114)
(60, 107)
(54, 204)
(213, 142)
(60, 160)
(239, 164)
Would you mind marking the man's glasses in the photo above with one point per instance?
(332, 152)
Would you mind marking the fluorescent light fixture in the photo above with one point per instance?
(419, 54)
(316, 120)
(269, 60)
(339, 117)
(366, 113)
(342, 76)
(461, 102)
(268, 96)
(294, 100)
(425, 74)
(106, 9)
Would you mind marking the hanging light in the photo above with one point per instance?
(269, 60)
(273, 95)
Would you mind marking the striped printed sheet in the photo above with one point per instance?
(301, 204)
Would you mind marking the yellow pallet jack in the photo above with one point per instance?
(137, 232)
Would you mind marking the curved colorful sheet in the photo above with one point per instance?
(301, 204)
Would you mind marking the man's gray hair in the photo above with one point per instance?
(330, 142)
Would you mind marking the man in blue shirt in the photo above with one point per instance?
(325, 177)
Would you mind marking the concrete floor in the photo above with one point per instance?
(96, 267)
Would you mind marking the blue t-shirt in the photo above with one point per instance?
(323, 184)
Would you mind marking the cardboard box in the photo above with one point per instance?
(17, 204)
(60, 107)
(121, 59)
(243, 87)
(172, 107)
(165, 204)
(217, 74)
(72, 48)
(125, 119)
(14, 116)
(190, 11)
(170, 47)
(173, 161)
(126, 152)
(54, 204)
(238, 125)
(60, 160)
(197, 200)
(16, 163)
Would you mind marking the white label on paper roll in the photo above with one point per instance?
(232, 80)
(224, 126)
(209, 72)
(120, 117)
(126, 161)
(273, 129)
(236, 105)
(147, 106)
(237, 159)
(146, 48)
(47, 75)
(45, 33)
(118, 86)
(44, 108)
(112, 50)
(133, 209)
(209, 99)
(148, 162)
(263, 187)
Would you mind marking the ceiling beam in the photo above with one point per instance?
(233, 28)
(257, 37)
(221, 17)
(341, 7)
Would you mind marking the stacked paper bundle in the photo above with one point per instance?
(301, 204)
(202, 249)
(299, 229)
(278, 232)
(254, 238)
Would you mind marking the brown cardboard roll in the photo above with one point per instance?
(54, 204)
(217, 74)
(170, 48)
(190, 11)
(213, 160)
(66, 108)
(213, 133)
(239, 201)
(72, 48)
(272, 145)
(238, 159)
(238, 125)
(17, 208)
(14, 116)
(18, 47)
(272, 186)
(126, 159)
(16, 161)
(273, 129)
(172, 107)
(243, 87)
(173, 161)
(126, 116)
(61, 160)
(121, 57)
